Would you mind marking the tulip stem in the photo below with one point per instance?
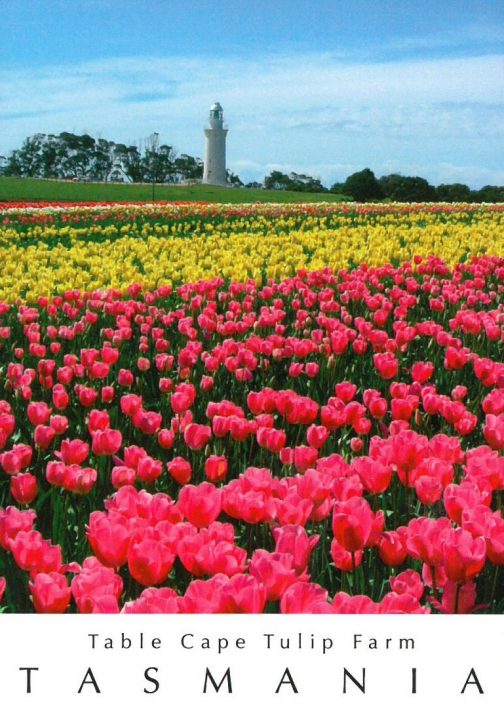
(63, 532)
(494, 587)
(457, 594)
(354, 573)
(434, 586)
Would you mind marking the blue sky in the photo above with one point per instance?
(325, 87)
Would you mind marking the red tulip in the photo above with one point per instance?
(455, 359)
(345, 391)
(408, 581)
(143, 364)
(216, 468)
(239, 428)
(50, 592)
(125, 378)
(7, 424)
(352, 523)
(386, 365)
(304, 457)
(343, 559)
(378, 407)
(493, 431)
(271, 439)
(274, 570)
(24, 488)
(34, 554)
(457, 598)
(424, 539)
(183, 398)
(344, 603)
(421, 372)
(305, 598)
(166, 438)
(197, 436)
(109, 355)
(204, 596)
(60, 397)
(38, 413)
(165, 385)
(459, 392)
(43, 436)
(312, 370)
(109, 538)
(317, 436)
(146, 421)
(479, 520)
(149, 469)
(201, 505)
(59, 424)
(493, 403)
(98, 420)
(11, 462)
(252, 506)
(206, 383)
(150, 557)
(429, 489)
(130, 404)
(404, 603)
(243, 594)
(408, 451)
(154, 601)
(391, 548)
(122, 476)
(220, 557)
(457, 498)
(494, 537)
(132, 455)
(12, 521)
(463, 555)
(180, 469)
(106, 442)
(295, 370)
(374, 474)
(73, 451)
(293, 539)
(87, 396)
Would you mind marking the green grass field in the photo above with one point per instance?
(31, 189)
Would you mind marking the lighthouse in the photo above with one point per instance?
(214, 171)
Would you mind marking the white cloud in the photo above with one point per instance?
(310, 111)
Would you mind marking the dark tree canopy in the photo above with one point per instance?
(404, 188)
(454, 192)
(363, 186)
(491, 193)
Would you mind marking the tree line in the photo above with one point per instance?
(364, 186)
(71, 157)
(68, 156)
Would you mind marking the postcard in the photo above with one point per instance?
(251, 354)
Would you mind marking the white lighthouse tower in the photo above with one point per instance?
(214, 170)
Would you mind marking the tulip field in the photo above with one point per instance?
(251, 408)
